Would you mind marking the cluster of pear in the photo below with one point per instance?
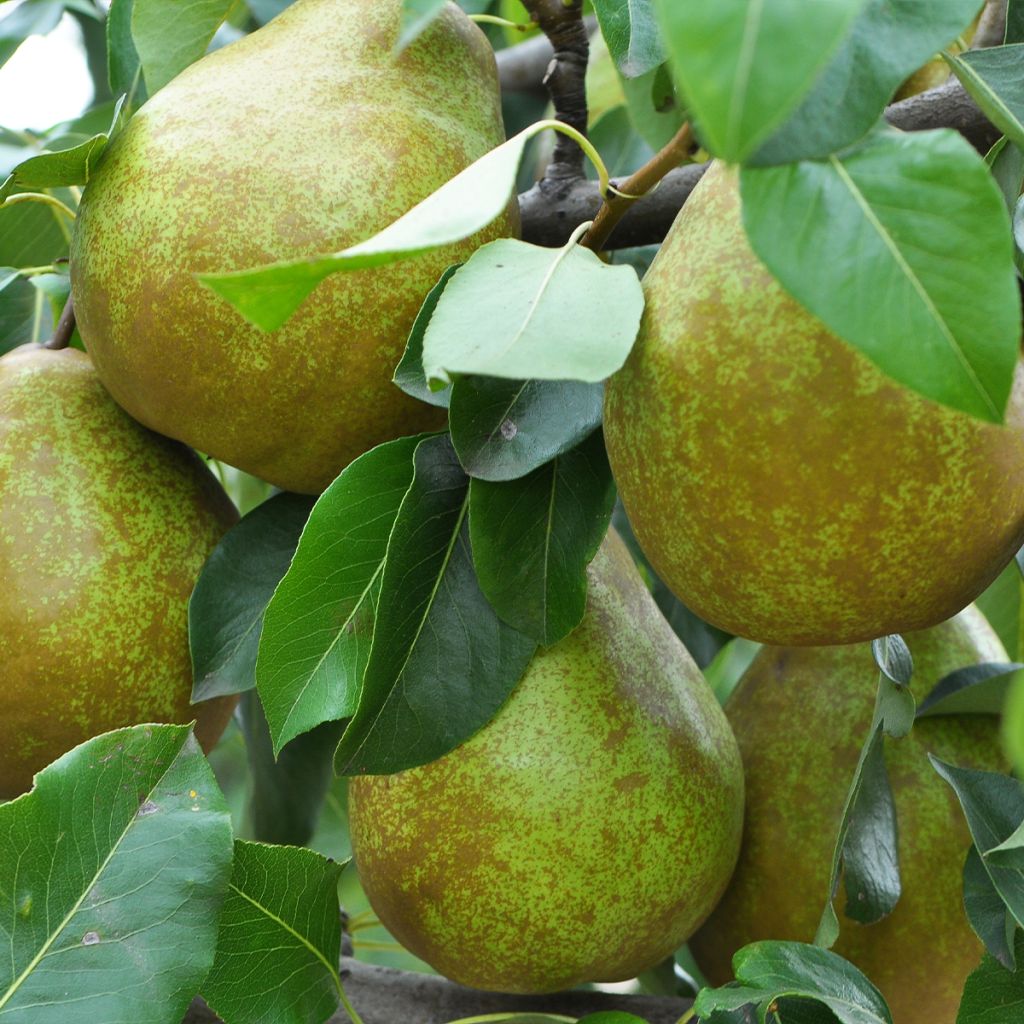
(781, 485)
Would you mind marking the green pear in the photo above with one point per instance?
(585, 832)
(105, 528)
(782, 486)
(800, 716)
(303, 138)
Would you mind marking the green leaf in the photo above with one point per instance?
(527, 295)
(895, 705)
(904, 290)
(987, 913)
(170, 37)
(504, 429)
(533, 539)
(123, 66)
(281, 913)
(318, 625)
(22, 313)
(992, 77)
(654, 109)
(1014, 22)
(632, 34)
(768, 971)
(32, 234)
(974, 690)
(32, 18)
(738, 68)
(409, 375)
(60, 167)
(442, 662)
(1013, 723)
(517, 1018)
(992, 994)
(288, 791)
(268, 296)
(416, 18)
(610, 1017)
(225, 612)
(889, 40)
(993, 805)
(112, 874)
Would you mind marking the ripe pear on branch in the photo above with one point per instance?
(105, 528)
(305, 137)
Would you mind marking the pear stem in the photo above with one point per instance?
(64, 330)
(617, 201)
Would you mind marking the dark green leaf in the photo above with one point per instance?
(112, 874)
(993, 995)
(861, 242)
(281, 913)
(505, 429)
(1001, 605)
(527, 295)
(889, 40)
(1014, 22)
(993, 78)
(442, 662)
(738, 68)
(534, 538)
(631, 32)
(976, 689)
(621, 146)
(767, 971)
(225, 612)
(32, 235)
(994, 807)
(893, 658)
(288, 791)
(409, 374)
(123, 66)
(318, 626)
(23, 314)
(987, 913)
(168, 39)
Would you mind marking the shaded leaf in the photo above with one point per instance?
(987, 913)
(505, 429)
(533, 539)
(112, 874)
(976, 689)
(225, 612)
(442, 662)
(409, 375)
(738, 68)
(170, 37)
(859, 240)
(993, 78)
(993, 995)
(889, 40)
(319, 623)
(281, 913)
(632, 34)
(123, 66)
(526, 295)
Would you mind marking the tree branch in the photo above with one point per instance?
(382, 995)
(553, 209)
(521, 67)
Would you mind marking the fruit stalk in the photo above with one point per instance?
(65, 328)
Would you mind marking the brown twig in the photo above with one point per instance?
(521, 68)
(637, 185)
(562, 22)
(65, 328)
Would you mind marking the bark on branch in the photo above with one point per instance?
(382, 995)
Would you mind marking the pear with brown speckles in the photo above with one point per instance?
(105, 528)
(300, 139)
(800, 716)
(585, 832)
(780, 483)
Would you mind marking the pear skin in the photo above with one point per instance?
(585, 832)
(104, 531)
(781, 485)
(300, 139)
(800, 716)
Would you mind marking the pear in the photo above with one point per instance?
(782, 486)
(800, 717)
(585, 832)
(105, 528)
(302, 138)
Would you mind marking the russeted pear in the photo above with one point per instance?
(585, 832)
(302, 138)
(105, 527)
(783, 486)
(800, 717)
